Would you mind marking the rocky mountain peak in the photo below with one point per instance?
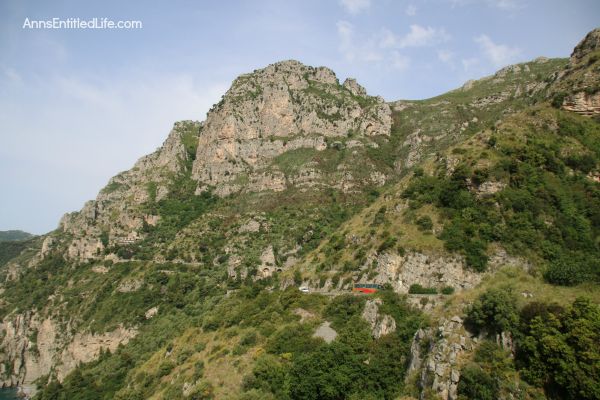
(292, 72)
(354, 87)
(285, 106)
(589, 44)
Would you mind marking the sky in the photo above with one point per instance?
(77, 106)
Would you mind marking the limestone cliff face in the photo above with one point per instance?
(283, 107)
(116, 211)
(34, 347)
(581, 80)
(583, 103)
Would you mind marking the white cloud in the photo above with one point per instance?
(345, 32)
(12, 76)
(355, 6)
(469, 63)
(418, 36)
(498, 54)
(353, 49)
(505, 5)
(399, 61)
(445, 56)
(411, 10)
(508, 5)
(388, 39)
(374, 49)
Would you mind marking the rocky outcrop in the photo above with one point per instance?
(33, 348)
(85, 347)
(583, 103)
(381, 324)
(432, 269)
(488, 188)
(267, 262)
(115, 216)
(580, 82)
(427, 270)
(435, 356)
(589, 44)
(283, 107)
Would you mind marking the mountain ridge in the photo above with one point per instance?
(189, 262)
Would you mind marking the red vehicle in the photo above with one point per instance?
(366, 287)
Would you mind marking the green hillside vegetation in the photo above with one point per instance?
(553, 349)
(9, 236)
(549, 208)
(264, 326)
(489, 167)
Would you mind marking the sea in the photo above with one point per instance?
(8, 394)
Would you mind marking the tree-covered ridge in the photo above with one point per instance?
(13, 235)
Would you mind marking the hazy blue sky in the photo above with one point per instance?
(78, 106)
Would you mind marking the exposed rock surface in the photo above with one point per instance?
(583, 103)
(381, 324)
(589, 44)
(580, 82)
(33, 348)
(115, 212)
(303, 314)
(283, 107)
(325, 332)
(489, 187)
(428, 270)
(435, 356)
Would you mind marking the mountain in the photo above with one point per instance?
(476, 215)
(8, 236)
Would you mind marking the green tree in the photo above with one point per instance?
(561, 351)
(476, 384)
(332, 372)
(493, 312)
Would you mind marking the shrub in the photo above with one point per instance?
(342, 308)
(203, 391)
(558, 99)
(447, 290)
(268, 375)
(495, 311)
(476, 384)
(295, 339)
(165, 368)
(249, 339)
(388, 243)
(424, 223)
(416, 288)
(330, 373)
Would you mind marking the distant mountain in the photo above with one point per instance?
(12, 235)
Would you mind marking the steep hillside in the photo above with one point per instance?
(476, 213)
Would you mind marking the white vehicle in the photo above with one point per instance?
(304, 289)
